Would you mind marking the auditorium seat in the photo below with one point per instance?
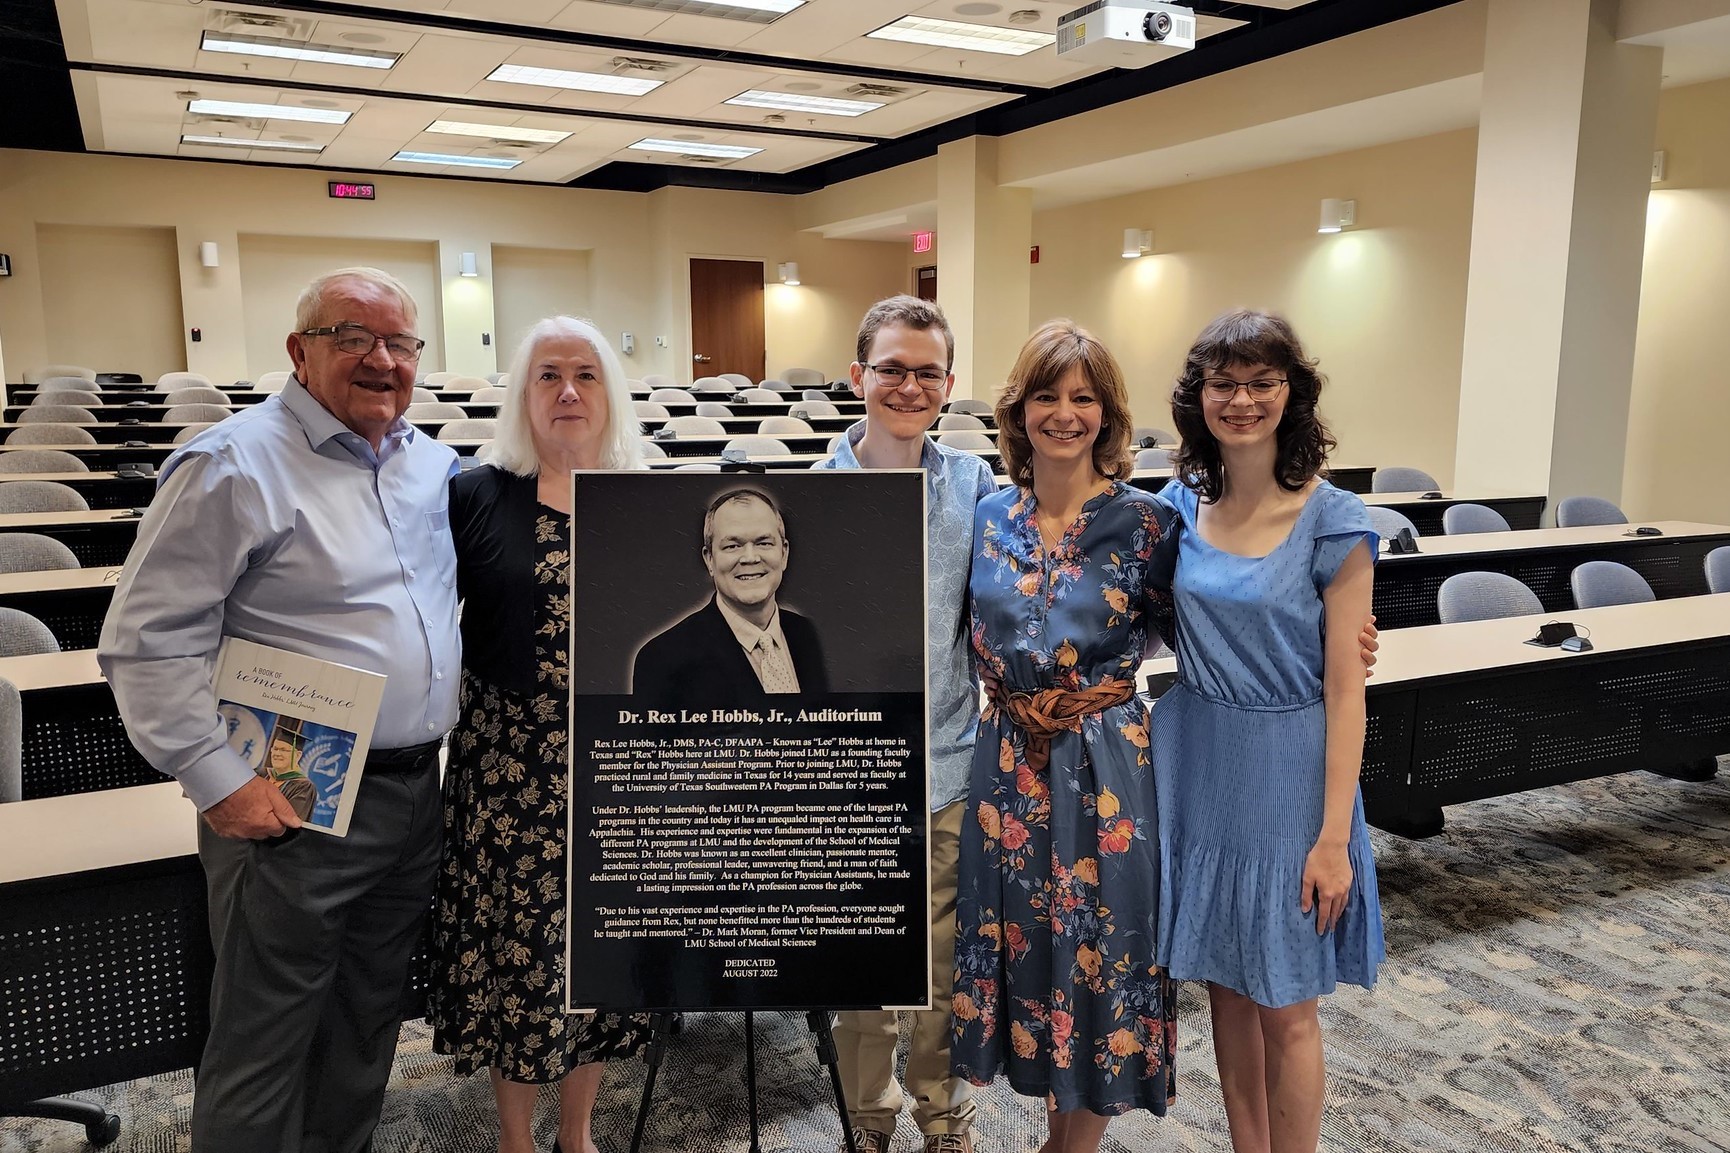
(193, 413)
(671, 396)
(1718, 569)
(738, 380)
(950, 421)
(193, 429)
(713, 384)
(760, 396)
(469, 383)
(22, 635)
(469, 428)
(40, 496)
(967, 406)
(41, 460)
(56, 414)
(802, 377)
(1463, 518)
(34, 552)
(1159, 436)
(49, 372)
(1403, 480)
(1483, 596)
(650, 410)
(423, 396)
(50, 433)
(436, 410)
(435, 379)
(809, 408)
(756, 446)
(1153, 458)
(966, 439)
(784, 426)
(1389, 522)
(270, 382)
(695, 426)
(491, 394)
(170, 380)
(197, 394)
(66, 396)
(1597, 583)
(1575, 511)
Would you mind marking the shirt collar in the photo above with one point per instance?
(930, 457)
(749, 634)
(321, 426)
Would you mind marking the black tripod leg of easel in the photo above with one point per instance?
(818, 1019)
(751, 1079)
(660, 1024)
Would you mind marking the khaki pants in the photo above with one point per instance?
(942, 1103)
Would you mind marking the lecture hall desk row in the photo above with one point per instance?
(112, 936)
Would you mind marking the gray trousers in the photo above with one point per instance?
(313, 936)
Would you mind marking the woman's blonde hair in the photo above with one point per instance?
(1049, 354)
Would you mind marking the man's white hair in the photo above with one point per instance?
(309, 310)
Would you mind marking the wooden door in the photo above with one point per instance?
(727, 318)
(925, 283)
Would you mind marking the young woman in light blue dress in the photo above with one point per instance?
(1268, 886)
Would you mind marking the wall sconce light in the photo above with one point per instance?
(789, 272)
(467, 266)
(5, 265)
(1137, 242)
(207, 254)
(1337, 214)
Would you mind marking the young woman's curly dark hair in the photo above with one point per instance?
(1246, 337)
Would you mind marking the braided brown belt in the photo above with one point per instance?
(1044, 714)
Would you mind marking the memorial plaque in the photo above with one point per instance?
(748, 741)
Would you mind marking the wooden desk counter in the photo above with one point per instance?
(1521, 511)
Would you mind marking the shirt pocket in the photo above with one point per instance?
(444, 556)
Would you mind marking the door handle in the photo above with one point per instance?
(700, 358)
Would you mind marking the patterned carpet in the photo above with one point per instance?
(1559, 979)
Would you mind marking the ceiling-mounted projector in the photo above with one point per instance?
(1125, 33)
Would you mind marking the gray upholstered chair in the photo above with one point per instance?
(33, 552)
(1159, 436)
(813, 394)
(635, 387)
(713, 408)
(469, 428)
(671, 396)
(1403, 480)
(423, 396)
(1462, 518)
(1718, 569)
(471, 383)
(170, 380)
(1483, 596)
(650, 410)
(954, 420)
(435, 379)
(270, 382)
(1604, 582)
(835, 442)
(491, 394)
(778, 387)
(41, 460)
(713, 384)
(1153, 458)
(738, 380)
(653, 451)
(57, 414)
(51, 433)
(967, 406)
(756, 446)
(191, 413)
(783, 426)
(809, 408)
(40, 496)
(966, 439)
(197, 394)
(436, 410)
(700, 467)
(49, 372)
(1388, 521)
(191, 430)
(22, 635)
(656, 380)
(1575, 511)
(760, 395)
(695, 426)
(81, 397)
(801, 377)
(11, 742)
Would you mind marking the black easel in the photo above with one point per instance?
(661, 1027)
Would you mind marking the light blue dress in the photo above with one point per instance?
(1239, 746)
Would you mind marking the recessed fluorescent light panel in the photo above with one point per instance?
(462, 161)
(295, 50)
(754, 11)
(696, 148)
(237, 142)
(972, 37)
(268, 111)
(497, 132)
(575, 81)
(798, 102)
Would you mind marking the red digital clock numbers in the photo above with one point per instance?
(343, 191)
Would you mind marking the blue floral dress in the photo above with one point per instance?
(1055, 981)
(1240, 742)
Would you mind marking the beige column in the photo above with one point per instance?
(211, 302)
(1558, 231)
(983, 281)
(466, 307)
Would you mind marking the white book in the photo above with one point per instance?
(304, 723)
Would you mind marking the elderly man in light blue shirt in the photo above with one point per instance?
(905, 349)
(315, 521)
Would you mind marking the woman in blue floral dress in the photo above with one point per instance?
(1055, 980)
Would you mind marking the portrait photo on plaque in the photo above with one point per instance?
(748, 815)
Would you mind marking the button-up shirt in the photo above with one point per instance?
(758, 643)
(955, 483)
(282, 526)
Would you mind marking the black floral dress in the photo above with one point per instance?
(499, 938)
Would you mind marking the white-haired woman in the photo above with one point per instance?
(498, 977)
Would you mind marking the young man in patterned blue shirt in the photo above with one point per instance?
(905, 350)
